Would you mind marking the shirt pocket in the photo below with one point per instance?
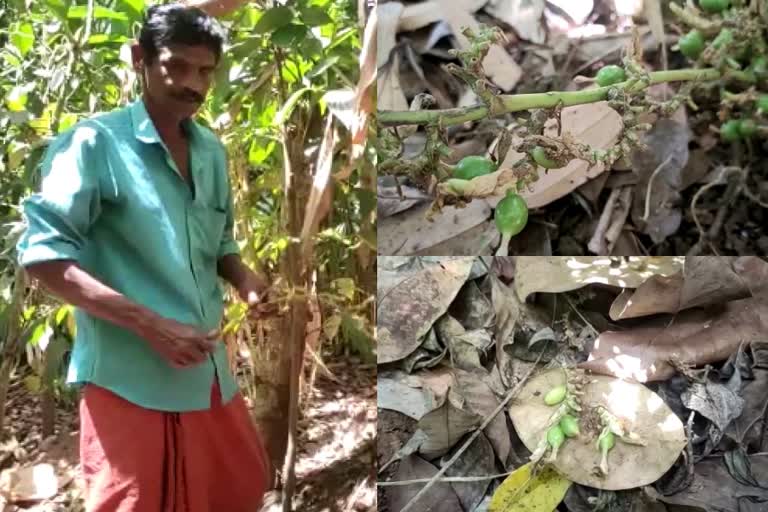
(209, 222)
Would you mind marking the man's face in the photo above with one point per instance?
(179, 77)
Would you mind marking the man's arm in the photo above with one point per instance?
(180, 344)
(66, 280)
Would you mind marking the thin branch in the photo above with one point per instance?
(650, 184)
(398, 483)
(519, 102)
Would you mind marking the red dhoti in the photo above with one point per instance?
(142, 460)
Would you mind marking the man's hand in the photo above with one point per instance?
(254, 291)
(180, 344)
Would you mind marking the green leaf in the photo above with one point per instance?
(360, 342)
(58, 7)
(16, 101)
(99, 39)
(54, 359)
(345, 286)
(273, 19)
(261, 148)
(81, 11)
(367, 200)
(290, 105)
(289, 36)
(311, 47)
(135, 8)
(524, 491)
(23, 37)
(315, 16)
(61, 313)
(323, 65)
(331, 327)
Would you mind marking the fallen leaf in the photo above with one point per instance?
(715, 402)
(29, 483)
(411, 232)
(507, 311)
(713, 489)
(630, 465)
(553, 274)
(704, 280)
(421, 14)
(499, 66)
(660, 167)
(692, 337)
(477, 397)
(414, 467)
(477, 240)
(389, 202)
(396, 392)
(472, 308)
(522, 15)
(386, 37)
(524, 491)
(477, 460)
(406, 313)
(444, 427)
(595, 124)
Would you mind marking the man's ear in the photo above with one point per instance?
(137, 58)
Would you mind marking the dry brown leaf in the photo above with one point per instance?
(704, 281)
(388, 14)
(655, 19)
(554, 274)
(630, 465)
(595, 124)
(408, 310)
(499, 65)
(413, 467)
(693, 337)
(522, 15)
(422, 14)
(29, 483)
(390, 94)
(410, 232)
(495, 183)
(478, 240)
(319, 202)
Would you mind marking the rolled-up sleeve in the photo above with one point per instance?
(228, 244)
(60, 215)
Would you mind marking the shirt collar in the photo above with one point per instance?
(144, 129)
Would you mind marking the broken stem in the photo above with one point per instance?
(519, 102)
(503, 249)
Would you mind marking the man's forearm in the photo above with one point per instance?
(232, 269)
(68, 281)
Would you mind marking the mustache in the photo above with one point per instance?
(189, 96)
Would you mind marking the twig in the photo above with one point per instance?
(398, 483)
(432, 481)
(619, 218)
(720, 217)
(647, 211)
(519, 102)
(597, 243)
(573, 306)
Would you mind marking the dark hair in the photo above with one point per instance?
(180, 24)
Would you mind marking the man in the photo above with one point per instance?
(133, 226)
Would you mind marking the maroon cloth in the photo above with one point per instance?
(142, 460)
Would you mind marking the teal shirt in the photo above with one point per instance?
(113, 200)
